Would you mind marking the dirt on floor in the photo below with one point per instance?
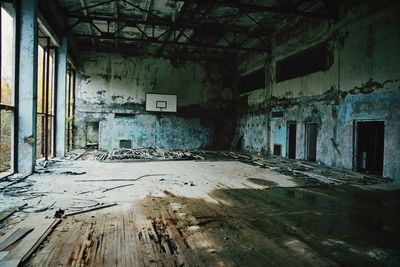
(323, 226)
(214, 212)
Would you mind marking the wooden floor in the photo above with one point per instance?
(322, 226)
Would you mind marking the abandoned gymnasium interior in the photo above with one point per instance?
(200, 133)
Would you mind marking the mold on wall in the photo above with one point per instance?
(111, 89)
(253, 129)
(363, 83)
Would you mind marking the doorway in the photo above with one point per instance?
(311, 141)
(369, 147)
(292, 127)
(92, 134)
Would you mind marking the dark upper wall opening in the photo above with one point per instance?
(313, 59)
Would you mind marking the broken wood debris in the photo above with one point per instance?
(72, 173)
(149, 154)
(75, 154)
(305, 170)
(26, 239)
(10, 211)
(33, 209)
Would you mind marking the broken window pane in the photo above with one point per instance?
(6, 58)
(5, 139)
(6, 91)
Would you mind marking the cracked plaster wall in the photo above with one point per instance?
(362, 84)
(109, 84)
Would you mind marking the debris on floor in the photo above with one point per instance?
(247, 227)
(149, 154)
(18, 245)
(305, 169)
(74, 154)
(89, 209)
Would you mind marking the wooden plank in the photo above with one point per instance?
(15, 236)
(41, 239)
(24, 249)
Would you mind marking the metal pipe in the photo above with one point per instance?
(73, 107)
(68, 106)
(17, 26)
(46, 144)
(42, 136)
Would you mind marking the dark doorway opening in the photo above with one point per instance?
(370, 143)
(277, 150)
(311, 141)
(292, 140)
(92, 134)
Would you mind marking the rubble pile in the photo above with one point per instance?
(149, 154)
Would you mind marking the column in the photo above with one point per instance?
(27, 49)
(61, 88)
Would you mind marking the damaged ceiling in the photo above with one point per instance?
(168, 27)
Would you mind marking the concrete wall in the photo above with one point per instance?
(363, 83)
(110, 84)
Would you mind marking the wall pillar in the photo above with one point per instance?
(61, 87)
(27, 61)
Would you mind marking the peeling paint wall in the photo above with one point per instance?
(363, 83)
(110, 85)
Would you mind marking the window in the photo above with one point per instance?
(7, 90)
(316, 58)
(252, 81)
(45, 98)
(70, 112)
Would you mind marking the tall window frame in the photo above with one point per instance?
(70, 108)
(45, 129)
(7, 90)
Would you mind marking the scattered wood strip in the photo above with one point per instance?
(321, 178)
(120, 180)
(116, 187)
(90, 209)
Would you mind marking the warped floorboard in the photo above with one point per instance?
(329, 226)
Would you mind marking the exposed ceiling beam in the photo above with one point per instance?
(137, 22)
(84, 9)
(171, 43)
(249, 8)
(146, 11)
(173, 26)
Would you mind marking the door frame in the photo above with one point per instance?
(355, 141)
(306, 139)
(288, 137)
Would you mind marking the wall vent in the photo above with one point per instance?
(124, 115)
(125, 143)
(277, 114)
